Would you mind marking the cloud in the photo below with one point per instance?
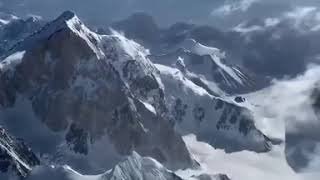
(305, 18)
(290, 101)
(281, 44)
(245, 165)
(245, 28)
(286, 110)
(242, 28)
(234, 6)
(300, 12)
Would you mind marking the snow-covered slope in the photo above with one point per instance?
(6, 18)
(87, 88)
(133, 167)
(221, 123)
(237, 78)
(136, 167)
(15, 157)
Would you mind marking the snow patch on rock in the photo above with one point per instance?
(10, 62)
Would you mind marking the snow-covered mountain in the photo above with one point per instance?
(88, 100)
(90, 94)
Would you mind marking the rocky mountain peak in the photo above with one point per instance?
(87, 86)
(67, 15)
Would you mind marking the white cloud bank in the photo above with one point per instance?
(302, 18)
(245, 165)
(285, 110)
(287, 105)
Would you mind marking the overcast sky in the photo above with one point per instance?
(215, 12)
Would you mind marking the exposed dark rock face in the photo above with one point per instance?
(199, 113)
(239, 99)
(179, 110)
(78, 139)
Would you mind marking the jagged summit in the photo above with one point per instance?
(66, 21)
(61, 21)
(67, 15)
